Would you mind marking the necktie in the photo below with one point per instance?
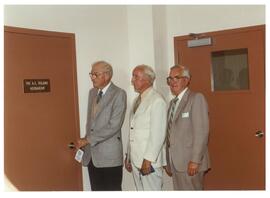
(169, 125)
(137, 103)
(99, 96)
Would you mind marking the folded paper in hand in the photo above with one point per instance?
(79, 155)
(151, 171)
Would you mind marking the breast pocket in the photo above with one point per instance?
(183, 129)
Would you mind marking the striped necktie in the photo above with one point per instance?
(169, 124)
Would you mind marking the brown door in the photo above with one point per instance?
(41, 110)
(230, 72)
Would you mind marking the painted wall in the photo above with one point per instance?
(185, 19)
(127, 36)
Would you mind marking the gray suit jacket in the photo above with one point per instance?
(103, 128)
(189, 133)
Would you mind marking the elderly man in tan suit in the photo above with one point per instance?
(187, 133)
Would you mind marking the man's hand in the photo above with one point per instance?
(146, 167)
(168, 170)
(192, 168)
(81, 143)
(128, 165)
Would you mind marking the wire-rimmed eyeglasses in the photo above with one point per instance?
(174, 78)
(96, 74)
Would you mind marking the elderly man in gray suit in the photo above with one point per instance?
(187, 133)
(103, 152)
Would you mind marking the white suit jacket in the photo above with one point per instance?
(147, 131)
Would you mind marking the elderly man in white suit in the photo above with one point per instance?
(146, 153)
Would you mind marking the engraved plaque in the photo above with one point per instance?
(36, 85)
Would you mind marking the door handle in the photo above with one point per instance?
(259, 134)
(71, 145)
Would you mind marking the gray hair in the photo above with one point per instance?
(185, 70)
(107, 66)
(148, 71)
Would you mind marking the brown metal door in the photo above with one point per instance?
(40, 125)
(237, 116)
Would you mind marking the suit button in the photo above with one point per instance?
(92, 129)
(131, 128)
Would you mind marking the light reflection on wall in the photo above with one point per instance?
(8, 186)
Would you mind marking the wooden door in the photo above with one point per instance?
(237, 113)
(40, 110)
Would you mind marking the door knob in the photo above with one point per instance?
(71, 145)
(259, 134)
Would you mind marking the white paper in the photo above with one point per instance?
(79, 155)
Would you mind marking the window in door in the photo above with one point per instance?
(230, 70)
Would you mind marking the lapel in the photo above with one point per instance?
(146, 101)
(105, 99)
(93, 103)
(182, 104)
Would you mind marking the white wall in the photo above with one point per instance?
(161, 47)
(127, 36)
(185, 19)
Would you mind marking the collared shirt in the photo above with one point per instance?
(142, 96)
(180, 96)
(146, 92)
(104, 89)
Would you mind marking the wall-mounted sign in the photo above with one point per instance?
(36, 85)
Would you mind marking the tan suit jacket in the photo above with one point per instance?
(189, 133)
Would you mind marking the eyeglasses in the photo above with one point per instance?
(96, 74)
(175, 78)
(136, 77)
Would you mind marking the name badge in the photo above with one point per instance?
(185, 115)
